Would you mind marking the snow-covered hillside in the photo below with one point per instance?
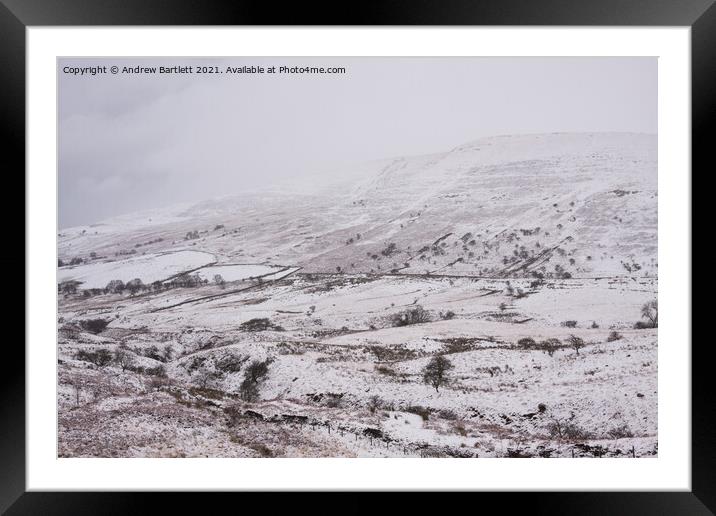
(579, 205)
(306, 324)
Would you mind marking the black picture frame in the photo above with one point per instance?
(17, 15)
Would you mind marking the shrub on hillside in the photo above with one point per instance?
(388, 251)
(620, 432)
(614, 335)
(549, 346)
(527, 343)
(231, 363)
(568, 430)
(94, 325)
(134, 286)
(384, 369)
(259, 324)
(415, 315)
(159, 371)
(423, 412)
(114, 287)
(100, 357)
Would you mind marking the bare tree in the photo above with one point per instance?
(576, 342)
(650, 311)
(77, 385)
(219, 280)
(436, 372)
(123, 359)
(254, 373)
(204, 377)
(374, 403)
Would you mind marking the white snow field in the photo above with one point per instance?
(242, 272)
(526, 262)
(148, 268)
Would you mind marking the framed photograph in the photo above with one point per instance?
(296, 250)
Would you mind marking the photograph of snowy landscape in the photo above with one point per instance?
(357, 257)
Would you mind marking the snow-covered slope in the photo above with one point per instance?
(553, 348)
(557, 205)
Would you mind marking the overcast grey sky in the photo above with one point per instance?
(133, 142)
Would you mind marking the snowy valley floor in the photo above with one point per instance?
(344, 378)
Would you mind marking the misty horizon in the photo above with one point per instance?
(287, 185)
(135, 143)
